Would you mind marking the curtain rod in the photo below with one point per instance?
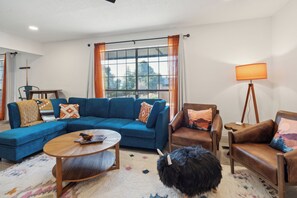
(12, 53)
(148, 39)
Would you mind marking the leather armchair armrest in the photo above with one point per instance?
(177, 121)
(258, 133)
(174, 125)
(291, 161)
(217, 126)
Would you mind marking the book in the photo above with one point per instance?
(95, 139)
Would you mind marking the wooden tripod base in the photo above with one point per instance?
(251, 89)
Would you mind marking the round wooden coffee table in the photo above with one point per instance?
(76, 162)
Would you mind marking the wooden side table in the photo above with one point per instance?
(232, 126)
(44, 92)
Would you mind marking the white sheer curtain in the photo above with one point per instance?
(90, 84)
(182, 95)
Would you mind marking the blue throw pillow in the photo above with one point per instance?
(157, 108)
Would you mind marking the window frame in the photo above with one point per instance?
(136, 91)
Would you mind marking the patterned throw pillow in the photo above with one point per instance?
(46, 109)
(145, 111)
(29, 113)
(285, 139)
(200, 119)
(69, 111)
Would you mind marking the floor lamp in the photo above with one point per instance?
(251, 72)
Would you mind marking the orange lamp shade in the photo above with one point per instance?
(251, 71)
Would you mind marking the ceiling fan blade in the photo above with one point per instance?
(112, 1)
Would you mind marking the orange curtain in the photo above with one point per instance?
(98, 70)
(3, 97)
(173, 42)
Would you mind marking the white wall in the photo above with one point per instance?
(212, 52)
(285, 57)
(19, 44)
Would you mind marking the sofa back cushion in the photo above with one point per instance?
(137, 105)
(97, 107)
(121, 108)
(82, 102)
(157, 108)
(14, 115)
(56, 107)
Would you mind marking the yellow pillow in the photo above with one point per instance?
(145, 111)
(200, 119)
(29, 113)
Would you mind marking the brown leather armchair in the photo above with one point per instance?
(180, 135)
(250, 147)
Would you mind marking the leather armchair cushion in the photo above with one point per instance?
(261, 158)
(187, 137)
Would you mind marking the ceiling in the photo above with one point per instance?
(72, 19)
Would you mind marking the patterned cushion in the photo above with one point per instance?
(69, 111)
(285, 139)
(200, 119)
(29, 113)
(145, 111)
(46, 109)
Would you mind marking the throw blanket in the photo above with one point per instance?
(46, 109)
(29, 113)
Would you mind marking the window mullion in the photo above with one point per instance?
(136, 73)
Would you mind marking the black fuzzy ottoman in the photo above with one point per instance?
(192, 170)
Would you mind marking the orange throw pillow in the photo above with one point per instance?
(145, 111)
(69, 111)
(200, 119)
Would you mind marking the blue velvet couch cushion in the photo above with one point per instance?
(56, 107)
(157, 108)
(121, 108)
(14, 115)
(137, 129)
(19, 136)
(137, 105)
(97, 107)
(82, 102)
(83, 123)
(113, 124)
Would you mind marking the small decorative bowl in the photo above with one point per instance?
(86, 137)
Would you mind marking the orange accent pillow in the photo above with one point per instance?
(69, 111)
(145, 111)
(200, 119)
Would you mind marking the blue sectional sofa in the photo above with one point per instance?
(119, 114)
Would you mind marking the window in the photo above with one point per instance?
(139, 73)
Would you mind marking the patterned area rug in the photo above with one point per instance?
(137, 178)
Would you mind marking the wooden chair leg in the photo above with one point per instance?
(214, 143)
(231, 164)
(230, 139)
(281, 175)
